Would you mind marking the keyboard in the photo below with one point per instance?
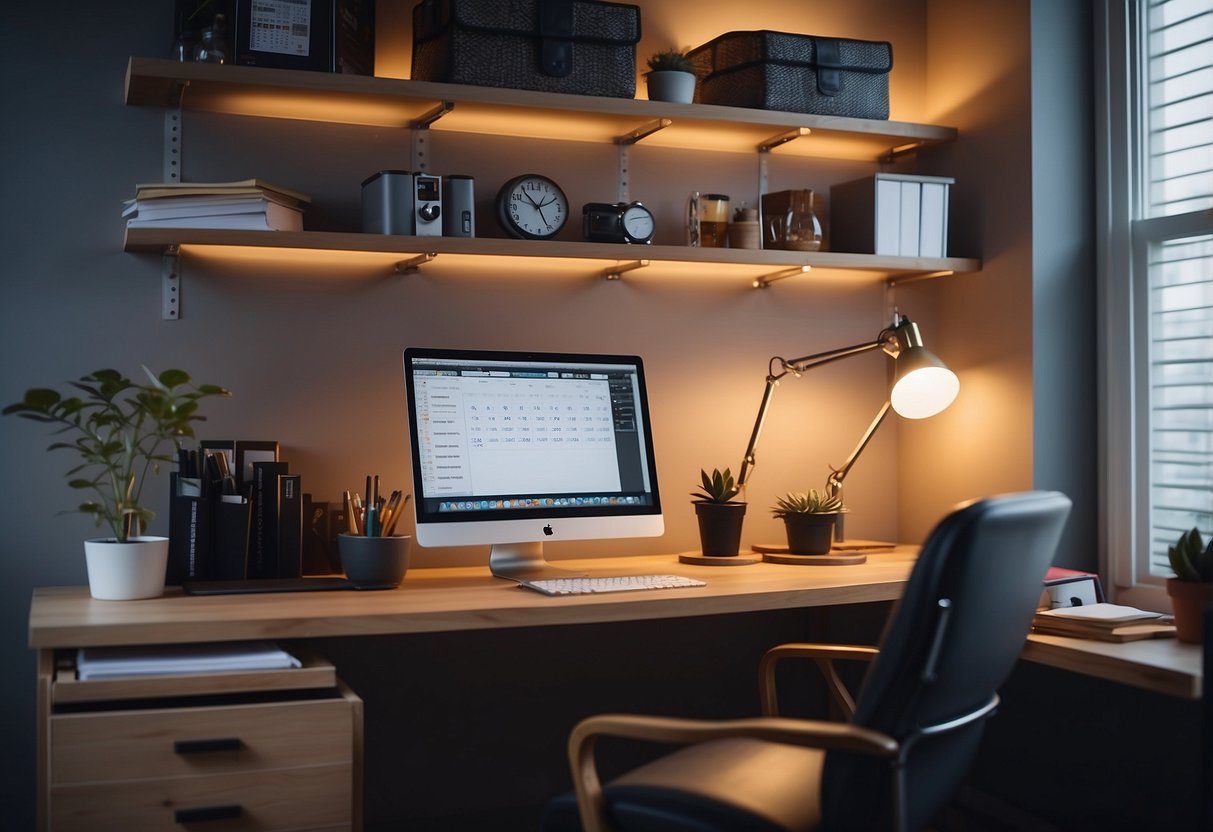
(625, 583)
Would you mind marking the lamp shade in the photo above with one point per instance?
(923, 386)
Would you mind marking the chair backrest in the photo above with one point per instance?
(950, 642)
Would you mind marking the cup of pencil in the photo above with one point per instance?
(372, 554)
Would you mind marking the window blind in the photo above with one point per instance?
(1178, 144)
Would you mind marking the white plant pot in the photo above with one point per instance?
(126, 571)
(673, 86)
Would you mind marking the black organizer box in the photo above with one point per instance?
(795, 73)
(583, 47)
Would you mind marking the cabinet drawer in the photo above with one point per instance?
(314, 797)
(174, 742)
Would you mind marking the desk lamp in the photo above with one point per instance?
(922, 387)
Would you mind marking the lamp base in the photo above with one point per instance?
(718, 560)
(778, 553)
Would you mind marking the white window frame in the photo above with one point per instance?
(1124, 243)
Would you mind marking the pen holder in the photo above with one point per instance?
(374, 562)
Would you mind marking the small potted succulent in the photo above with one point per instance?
(118, 430)
(720, 516)
(808, 517)
(671, 77)
(1191, 590)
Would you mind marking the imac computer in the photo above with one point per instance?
(513, 449)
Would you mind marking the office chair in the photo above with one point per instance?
(950, 641)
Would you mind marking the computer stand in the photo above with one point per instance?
(524, 562)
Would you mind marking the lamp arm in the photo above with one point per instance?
(837, 475)
(797, 366)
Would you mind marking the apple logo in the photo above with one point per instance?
(548, 529)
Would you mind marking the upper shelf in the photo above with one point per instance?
(354, 99)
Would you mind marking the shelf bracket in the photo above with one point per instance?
(783, 138)
(420, 127)
(623, 145)
(414, 264)
(616, 272)
(894, 282)
(170, 284)
(897, 152)
(767, 279)
(172, 145)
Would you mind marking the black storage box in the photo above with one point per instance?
(795, 73)
(323, 35)
(584, 47)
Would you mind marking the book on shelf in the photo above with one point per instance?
(1104, 622)
(259, 187)
(249, 204)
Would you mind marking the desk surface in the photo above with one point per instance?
(1163, 665)
(448, 599)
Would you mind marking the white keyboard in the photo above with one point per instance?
(625, 583)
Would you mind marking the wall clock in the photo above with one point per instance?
(532, 207)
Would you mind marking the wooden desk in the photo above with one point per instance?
(451, 599)
(1163, 665)
(428, 601)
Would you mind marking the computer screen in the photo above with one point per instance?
(513, 449)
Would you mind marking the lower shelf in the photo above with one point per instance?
(760, 268)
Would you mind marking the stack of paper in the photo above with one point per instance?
(1106, 622)
(247, 204)
(114, 662)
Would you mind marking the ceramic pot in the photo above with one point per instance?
(374, 562)
(720, 528)
(809, 534)
(126, 571)
(1189, 600)
(671, 85)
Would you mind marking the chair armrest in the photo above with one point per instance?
(824, 656)
(812, 733)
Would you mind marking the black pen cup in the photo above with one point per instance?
(374, 562)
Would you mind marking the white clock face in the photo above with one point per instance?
(532, 206)
(638, 222)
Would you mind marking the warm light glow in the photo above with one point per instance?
(924, 391)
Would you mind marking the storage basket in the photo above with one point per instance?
(795, 73)
(584, 47)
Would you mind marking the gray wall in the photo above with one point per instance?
(311, 346)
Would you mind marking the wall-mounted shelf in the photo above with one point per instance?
(352, 99)
(569, 258)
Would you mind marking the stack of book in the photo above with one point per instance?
(1105, 622)
(247, 204)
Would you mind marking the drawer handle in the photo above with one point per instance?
(200, 746)
(204, 813)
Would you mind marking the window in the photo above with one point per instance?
(1156, 293)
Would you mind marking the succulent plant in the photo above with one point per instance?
(719, 487)
(810, 502)
(1191, 559)
(670, 60)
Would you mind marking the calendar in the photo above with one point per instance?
(282, 26)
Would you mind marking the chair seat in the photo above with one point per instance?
(729, 784)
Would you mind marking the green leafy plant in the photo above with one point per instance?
(118, 429)
(719, 487)
(1191, 559)
(810, 502)
(670, 60)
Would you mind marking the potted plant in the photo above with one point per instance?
(1191, 590)
(720, 516)
(118, 429)
(808, 518)
(671, 77)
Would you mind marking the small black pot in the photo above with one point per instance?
(720, 528)
(809, 534)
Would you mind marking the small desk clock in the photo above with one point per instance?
(620, 222)
(532, 207)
